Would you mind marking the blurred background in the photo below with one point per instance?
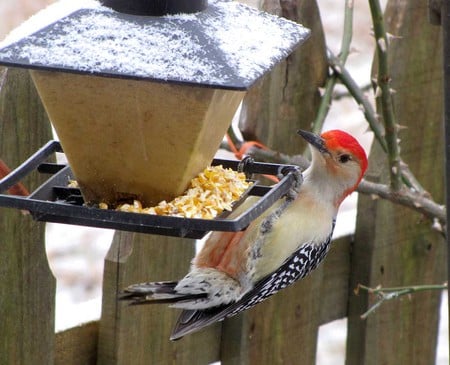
(76, 254)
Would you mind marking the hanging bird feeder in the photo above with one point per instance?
(141, 93)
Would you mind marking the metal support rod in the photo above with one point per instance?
(29, 165)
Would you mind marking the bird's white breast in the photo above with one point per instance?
(305, 220)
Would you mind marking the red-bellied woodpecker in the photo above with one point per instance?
(236, 270)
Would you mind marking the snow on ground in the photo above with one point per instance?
(76, 253)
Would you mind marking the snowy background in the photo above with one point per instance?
(76, 254)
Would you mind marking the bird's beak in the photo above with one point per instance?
(314, 140)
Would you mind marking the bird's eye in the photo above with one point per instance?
(344, 158)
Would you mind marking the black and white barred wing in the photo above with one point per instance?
(299, 264)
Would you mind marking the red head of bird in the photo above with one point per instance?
(338, 163)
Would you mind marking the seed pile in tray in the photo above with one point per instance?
(209, 194)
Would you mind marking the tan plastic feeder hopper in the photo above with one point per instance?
(139, 139)
(141, 103)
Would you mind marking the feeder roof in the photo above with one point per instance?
(229, 45)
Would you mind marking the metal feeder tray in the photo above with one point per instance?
(53, 201)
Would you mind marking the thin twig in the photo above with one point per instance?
(361, 99)
(409, 179)
(236, 141)
(18, 188)
(341, 94)
(385, 294)
(327, 96)
(278, 157)
(384, 92)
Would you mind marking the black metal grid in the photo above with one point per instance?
(53, 201)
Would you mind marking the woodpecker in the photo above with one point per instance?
(236, 270)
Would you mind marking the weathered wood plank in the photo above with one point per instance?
(287, 99)
(27, 286)
(395, 246)
(77, 346)
(283, 102)
(334, 288)
(140, 334)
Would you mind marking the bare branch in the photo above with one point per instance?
(327, 96)
(411, 198)
(385, 294)
(341, 94)
(383, 83)
(357, 94)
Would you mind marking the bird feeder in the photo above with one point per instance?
(141, 93)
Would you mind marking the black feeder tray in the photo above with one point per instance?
(55, 202)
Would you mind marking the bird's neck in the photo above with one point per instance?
(324, 187)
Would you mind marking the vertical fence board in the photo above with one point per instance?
(77, 345)
(334, 288)
(140, 334)
(27, 286)
(395, 246)
(284, 101)
(445, 26)
(287, 99)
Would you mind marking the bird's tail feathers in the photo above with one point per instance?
(156, 293)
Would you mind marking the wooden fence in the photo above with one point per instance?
(392, 246)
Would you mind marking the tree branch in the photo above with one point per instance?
(410, 198)
(327, 96)
(385, 294)
(357, 94)
(384, 92)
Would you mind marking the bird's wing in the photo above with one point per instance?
(228, 251)
(297, 266)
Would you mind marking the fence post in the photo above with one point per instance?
(445, 27)
(283, 102)
(395, 246)
(140, 334)
(27, 286)
(288, 98)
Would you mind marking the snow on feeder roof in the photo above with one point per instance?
(228, 45)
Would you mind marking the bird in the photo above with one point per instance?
(236, 270)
